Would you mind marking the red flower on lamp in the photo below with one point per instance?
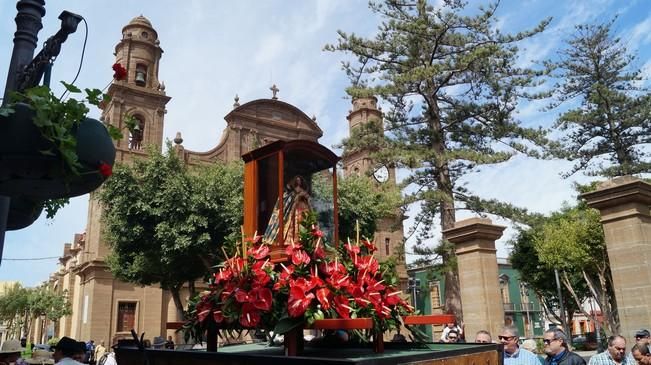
(105, 169)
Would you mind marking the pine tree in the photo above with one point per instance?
(606, 130)
(452, 84)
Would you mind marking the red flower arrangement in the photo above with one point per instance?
(119, 72)
(315, 282)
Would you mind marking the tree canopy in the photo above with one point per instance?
(165, 223)
(362, 200)
(609, 119)
(572, 242)
(451, 81)
(20, 306)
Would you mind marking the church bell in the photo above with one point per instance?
(140, 78)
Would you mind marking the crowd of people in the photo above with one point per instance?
(68, 351)
(556, 349)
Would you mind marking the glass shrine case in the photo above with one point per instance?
(289, 177)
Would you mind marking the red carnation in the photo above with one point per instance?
(120, 73)
(105, 169)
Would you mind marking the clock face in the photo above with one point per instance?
(381, 174)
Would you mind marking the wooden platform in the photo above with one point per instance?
(395, 353)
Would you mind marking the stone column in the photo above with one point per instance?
(481, 302)
(624, 206)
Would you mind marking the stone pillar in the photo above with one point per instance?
(481, 302)
(624, 206)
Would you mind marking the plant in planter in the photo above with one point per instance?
(52, 150)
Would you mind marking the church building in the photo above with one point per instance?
(105, 308)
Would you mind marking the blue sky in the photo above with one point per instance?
(215, 50)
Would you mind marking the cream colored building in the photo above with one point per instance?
(105, 308)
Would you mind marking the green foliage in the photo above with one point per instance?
(540, 277)
(570, 239)
(19, 306)
(362, 200)
(165, 223)
(572, 242)
(606, 132)
(451, 81)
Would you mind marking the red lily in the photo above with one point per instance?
(300, 257)
(338, 281)
(242, 296)
(259, 252)
(393, 298)
(316, 232)
(262, 298)
(298, 301)
(324, 296)
(250, 317)
(203, 309)
(223, 275)
(319, 253)
(342, 307)
(367, 263)
(369, 245)
(218, 316)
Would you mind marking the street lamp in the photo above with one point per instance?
(25, 71)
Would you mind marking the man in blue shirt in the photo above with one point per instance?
(513, 354)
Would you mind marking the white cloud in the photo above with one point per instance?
(640, 34)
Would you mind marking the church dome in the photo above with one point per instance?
(140, 20)
(140, 28)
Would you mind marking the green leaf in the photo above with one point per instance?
(6, 111)
(70, 87)
(114, 132)
(94, 96)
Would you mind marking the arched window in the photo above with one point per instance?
(141, 74)
(137, 133)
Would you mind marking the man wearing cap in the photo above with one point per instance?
(557, 351)
(65, 350)
(642, 338)
(10, 351)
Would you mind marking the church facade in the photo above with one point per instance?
(105, 308)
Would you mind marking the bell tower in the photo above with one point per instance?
(99, 299)
(389, 237)
(141, 96)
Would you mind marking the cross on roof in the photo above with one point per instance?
(274, 90)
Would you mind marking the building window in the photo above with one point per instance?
(435, 295)
(387, 246)
(126, 316)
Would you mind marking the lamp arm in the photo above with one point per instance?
(32, 73)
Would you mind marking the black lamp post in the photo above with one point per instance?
(26, 71)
